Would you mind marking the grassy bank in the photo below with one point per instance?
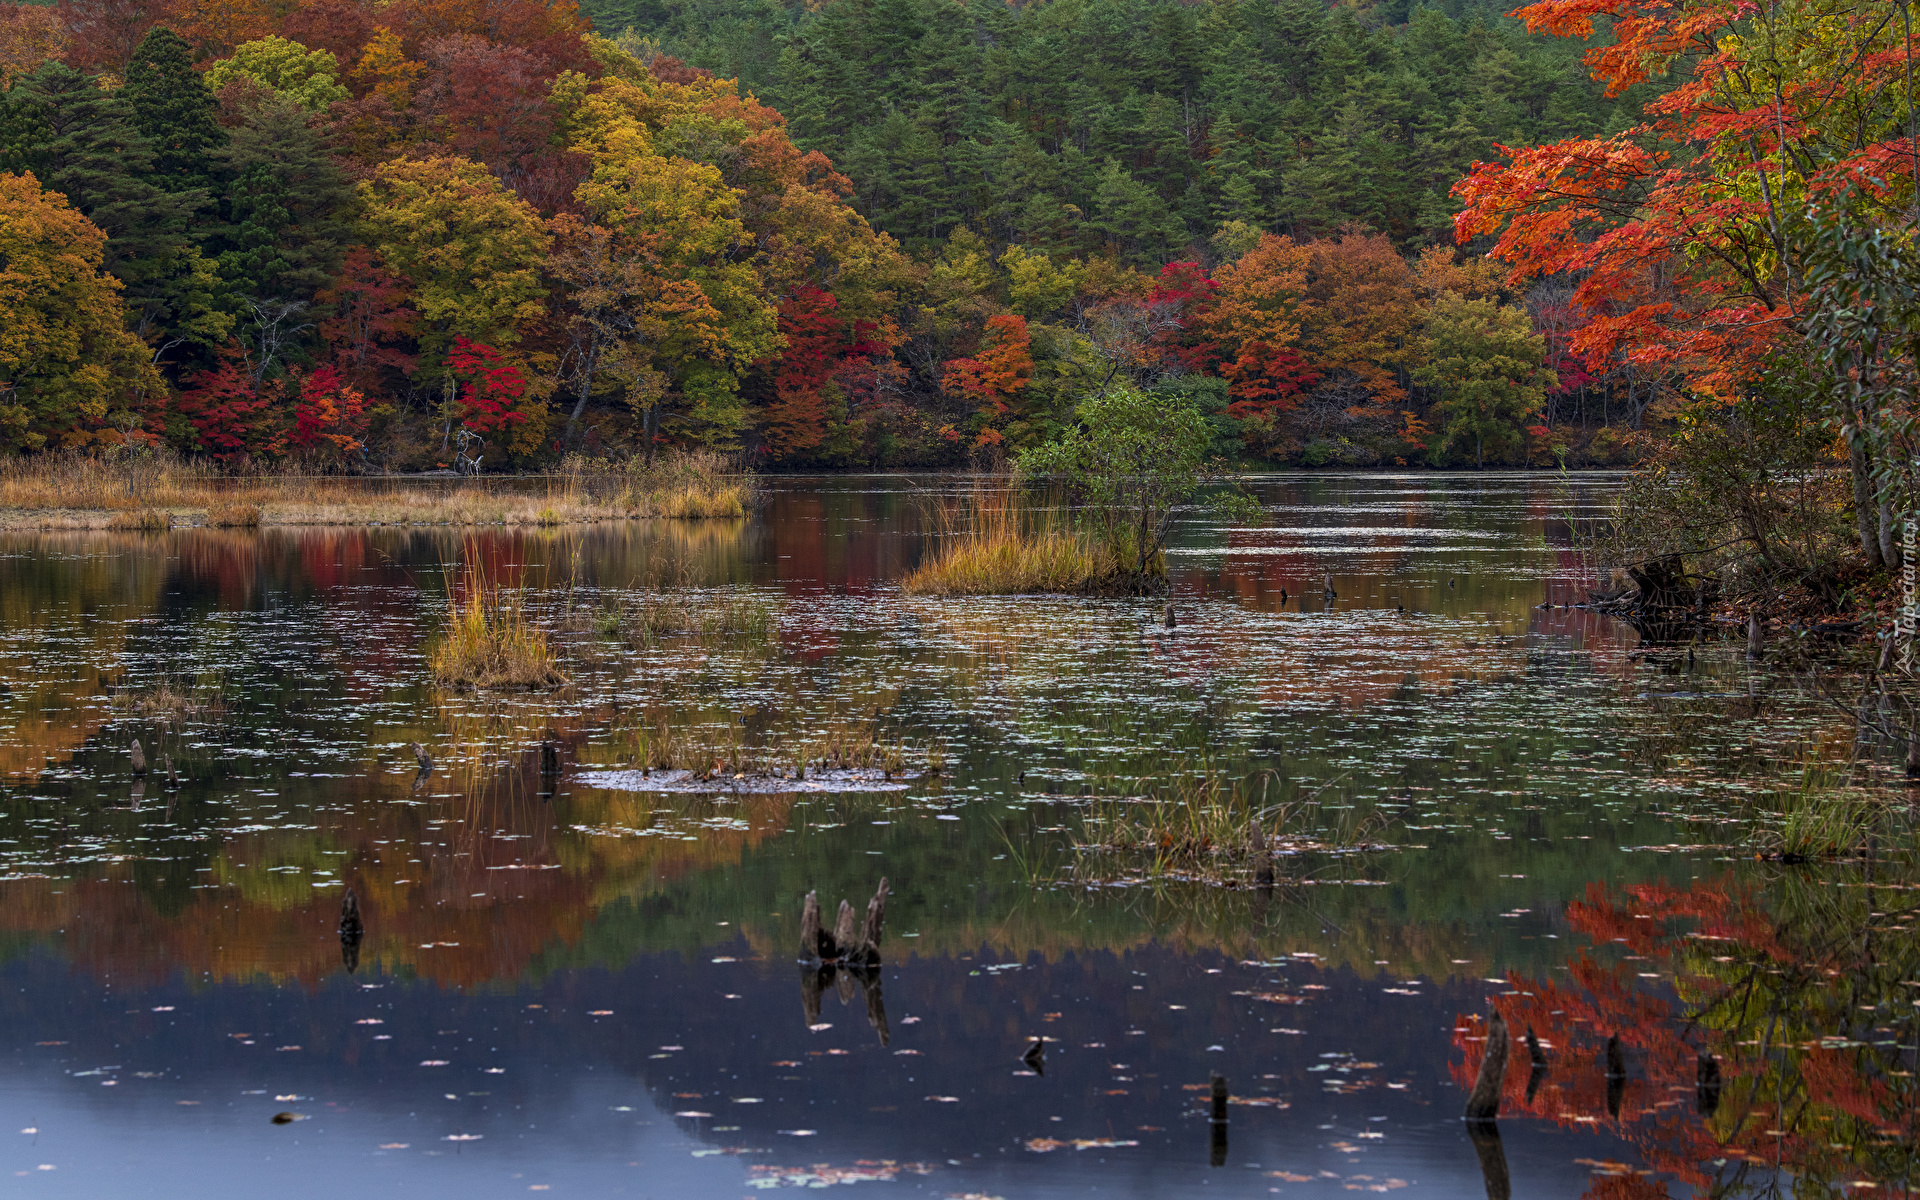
(156, 492)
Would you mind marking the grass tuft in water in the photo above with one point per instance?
(1204, 824)
(725, 617)
(490, 642)
(997, 543)
(170, 699)
(1813, 818)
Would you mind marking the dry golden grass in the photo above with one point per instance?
(234, 514)
(1003, 547)
(74, 491)
(144, 520)
(170, 699)
(489, 642)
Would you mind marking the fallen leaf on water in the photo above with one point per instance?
(463, 1137)
(395, 1145)
(944, 1099)
(288, 1118)
(1047, 1145)
(434, 1062)
(691, 1113)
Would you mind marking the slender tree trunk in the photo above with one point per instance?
(1863, 505)
(1889, 530)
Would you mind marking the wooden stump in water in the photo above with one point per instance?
(867, 949)
(812, 944)
(1168, 618)
(1217, 1121)
(1706, 1092)
(1483, 1103)
(1538, 1074)
(1756, 637)
(351, 931)
(1913, 750)
(1493, 1159)
(137, 757)
(421, 756)
(1036, 1057)
(1616, 1076)
(843, 931)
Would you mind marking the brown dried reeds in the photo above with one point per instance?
(96, 491)
(141, 520)
(234, 514)
(996, 541)
(489, 641)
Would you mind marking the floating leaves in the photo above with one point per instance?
(1049, 1145)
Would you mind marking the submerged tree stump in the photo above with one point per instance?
(1217, 1120)
(351, 931)
(137, 758)
(1483, 1103)
(846, 959)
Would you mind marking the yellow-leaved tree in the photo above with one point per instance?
(473, 251)
(70, 372)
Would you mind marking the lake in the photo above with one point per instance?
(571, 977)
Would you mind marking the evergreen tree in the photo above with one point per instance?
(284, 206)
(80, 141)
(173, 109)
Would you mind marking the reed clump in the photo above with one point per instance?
(1815, 817)
(489, 641)
(234, 514)
(1204, 823)
(170, 698)
(996, 541)
(710, 618)
(141, 520)
(685, 485)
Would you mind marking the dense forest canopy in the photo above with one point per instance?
(859, 232)
(1078, 124)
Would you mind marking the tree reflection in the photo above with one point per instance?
(1766, 1037)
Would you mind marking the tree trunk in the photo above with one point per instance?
(1864, 508)
(1889, 530)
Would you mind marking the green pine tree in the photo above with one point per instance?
(172, 108)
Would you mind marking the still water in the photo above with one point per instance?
(588, 990)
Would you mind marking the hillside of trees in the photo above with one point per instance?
(866, 232)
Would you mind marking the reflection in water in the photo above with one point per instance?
(535, 975)
(1737, 1031)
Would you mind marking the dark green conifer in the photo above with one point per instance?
(174, 110)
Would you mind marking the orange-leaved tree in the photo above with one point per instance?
(1689, 232)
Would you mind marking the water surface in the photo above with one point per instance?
(593, 990)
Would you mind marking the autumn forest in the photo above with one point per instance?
(873, 233)
(911, 232)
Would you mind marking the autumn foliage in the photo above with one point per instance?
(344, 229)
